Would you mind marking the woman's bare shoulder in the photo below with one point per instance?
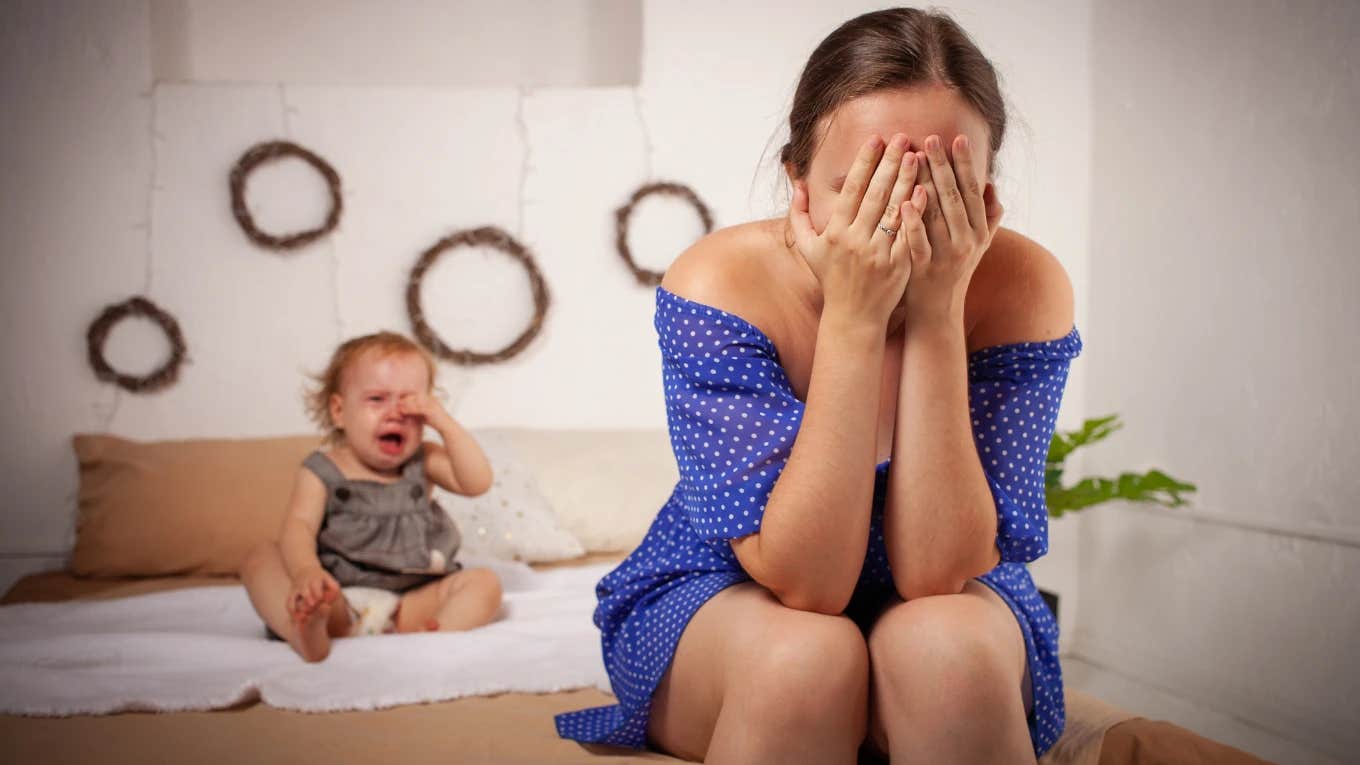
(729, 269)
(1025, 293)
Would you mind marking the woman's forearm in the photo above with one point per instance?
(939, 519)
(815, 529)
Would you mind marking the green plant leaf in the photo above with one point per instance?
(1091, 431)
(1052, 477)
(1154, 486)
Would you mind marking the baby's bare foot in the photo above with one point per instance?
(311, 640)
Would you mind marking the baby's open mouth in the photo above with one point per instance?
(391, 443)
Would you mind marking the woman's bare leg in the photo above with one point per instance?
(950, 682)
(267, 583)
(755, 681)
(460, 601)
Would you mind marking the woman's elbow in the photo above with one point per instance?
(805, 599)
(793, 585)
(804, 594)
(920, 584)
(944, 576)
(922, 581)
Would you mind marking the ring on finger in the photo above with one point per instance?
(891, 232)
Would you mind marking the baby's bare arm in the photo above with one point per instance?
(311, 584)
(306, 508)
(459, 464)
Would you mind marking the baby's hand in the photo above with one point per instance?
(424, 406)
(311, 588)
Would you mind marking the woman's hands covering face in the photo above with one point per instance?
(941, 217)
(861, 261)
(952, 231)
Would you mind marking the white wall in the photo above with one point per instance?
(75, 148)
(416, 42)
(133, 199)
(1222, 321)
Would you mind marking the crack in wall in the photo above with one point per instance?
(522, 129)
(155, 140)
(147, 225)
(648, 149)
(333, 254)
(459, 382)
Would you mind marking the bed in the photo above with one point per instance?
(128, 508)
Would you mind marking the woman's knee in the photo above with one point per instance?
(807, 668)
(953, 641)
(770, 671)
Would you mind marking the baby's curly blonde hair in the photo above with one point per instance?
(318, 399)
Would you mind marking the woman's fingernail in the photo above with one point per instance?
(933, 142)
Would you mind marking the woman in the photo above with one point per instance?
(860, 404)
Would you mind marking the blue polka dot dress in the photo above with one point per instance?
(733, 417)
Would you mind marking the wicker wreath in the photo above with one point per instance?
(163, 376)
(486, 236)
(262, 153)
(621, 217)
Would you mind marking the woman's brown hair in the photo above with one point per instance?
(883, 50)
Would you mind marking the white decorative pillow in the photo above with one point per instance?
(606, 486)
(512, 520)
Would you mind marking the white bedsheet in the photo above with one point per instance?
(204, 648)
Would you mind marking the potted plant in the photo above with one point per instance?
(1153, 486)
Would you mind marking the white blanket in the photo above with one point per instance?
(204, 648)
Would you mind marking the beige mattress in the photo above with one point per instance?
(508, 728)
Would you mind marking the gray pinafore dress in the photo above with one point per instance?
(392, 536)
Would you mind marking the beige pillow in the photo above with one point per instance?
(180, 507)
(512, 520)
(199, 507)
(606, 486)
